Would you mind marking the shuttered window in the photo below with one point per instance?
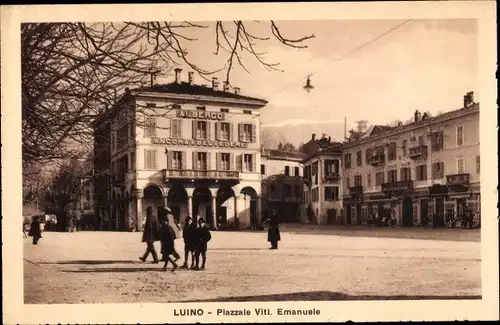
(150, 161)
(247, 132)
(438, 170)
(223, 161)
(150, 127)
(176, 129)
(223, 131)
(248, 162)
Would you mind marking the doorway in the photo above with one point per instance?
(424, 212)
(439, 215)
(348, 214)
(407, 212)
(460, 208)
(332, 216)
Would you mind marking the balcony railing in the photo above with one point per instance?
(331, 178)
(458, 180)
(202, 174)
(356, 190)
(397, 186)
(377, 159)
(418, 152)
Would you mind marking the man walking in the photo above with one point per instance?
(273, 234)
(202, 239)
(167, 244)
(150, 234)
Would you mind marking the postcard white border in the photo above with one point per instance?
(16, 312)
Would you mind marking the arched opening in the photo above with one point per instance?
(177, 201)
(250, 205)
(152, 196)
(407, 212)
(202, 199)
(225, 211)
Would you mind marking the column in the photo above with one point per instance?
(190, 205)
(259, 211)
(138, 226)
(214, 212)
(236, 222)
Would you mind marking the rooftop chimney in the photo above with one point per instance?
(215, 84)
(190, 76)
(178, 75)
(226, 86)
(468, 99)
(417, 116)
(314, 137)
(362, 125)
(237, 90)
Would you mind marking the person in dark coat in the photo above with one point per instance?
(35, 230)
(189, 236)
(168, 246)
(273, 234)
(203, 236)
(150, 234)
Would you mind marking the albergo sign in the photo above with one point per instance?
(198, 143)
(201, 115)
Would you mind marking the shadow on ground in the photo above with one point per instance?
(239, 249)
(329, 296)
(93, 262)
(117, 269)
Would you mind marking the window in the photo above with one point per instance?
(223, 131)
(177, 160)
(201, 108)
(331, 193)
(369, 180)
(347, 182)
(460, 166)
(87, 195)
(478, 164)
(287, 190)
(201, 161)
(358, 181)
(247, 111)
(225, 161)
(150, 124)
(150, 159)
(263, 169)
(224, 110)
(331, 167)
(248, 160)
(247, 133)
(175, 129)
(297, 172)
(437, 141)
(347, 160)
(358, 158)
(405, 174)
(368, 155)
(273, 188)
(287, 171)
(421, 173)
(405, 147)
(392, 176)
(420, 140)
(379, 178)
(392, 151)
(201, 130)
(460, 135)
(438, 170)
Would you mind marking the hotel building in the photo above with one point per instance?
(420, 173)
(323, 179)
(282, 184)
(191, 147)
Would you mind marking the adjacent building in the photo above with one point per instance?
(282, 184)
(420, 174)
(191, 147)
(322, 194)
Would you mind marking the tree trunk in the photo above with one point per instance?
(62, 220)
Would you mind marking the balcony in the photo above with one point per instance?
(461, 180)
(397, 186)
(202, 174)
(331, 178)
(418, 152)
(357, 190)
(377, 159)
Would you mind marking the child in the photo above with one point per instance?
(203, 236)
(189, 233)
(167, 240)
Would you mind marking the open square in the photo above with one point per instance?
(310, 264)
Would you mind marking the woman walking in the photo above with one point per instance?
(150, 235)
(35, 230)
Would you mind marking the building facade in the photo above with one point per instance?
(419, 174)
(193, 148)
(283, 184)
(322, 195)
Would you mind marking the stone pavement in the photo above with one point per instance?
(348, 264)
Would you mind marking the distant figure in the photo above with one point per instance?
(273, 234)
(150, 234)
(168, 246)
(189, 236)
(35, 230)
(203, 236)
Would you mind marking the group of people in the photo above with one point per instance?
(195, 233)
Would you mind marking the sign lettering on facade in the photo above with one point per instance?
(198, 143)
(201, 115)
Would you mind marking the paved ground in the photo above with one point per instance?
(349, 263)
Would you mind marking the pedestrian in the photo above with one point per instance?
(35, 230)
(273, 234)
(168, 246)
(189, 236)
(203, 236)
(150, 234)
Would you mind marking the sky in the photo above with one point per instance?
(360, 71)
